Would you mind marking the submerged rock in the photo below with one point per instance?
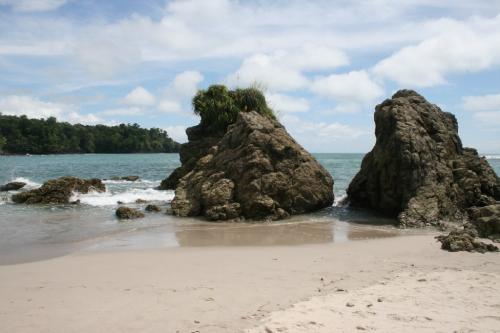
(126, 178)
(127, 213)
(59, 191)
(255, 170)
(13, 186)
(418, 171)
(464, 240)
(153, 208)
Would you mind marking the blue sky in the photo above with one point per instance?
(324, 65)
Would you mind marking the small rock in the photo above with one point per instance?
(141, 201)
(153, 208)
(196, 322)
(361, 328)
(422, 280)
(349, 304)
(369, 305)
(380, 299)
(128, 213)
(127, 178)
(464, 240)
(13, 186)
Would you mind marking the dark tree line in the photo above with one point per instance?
(20, 135)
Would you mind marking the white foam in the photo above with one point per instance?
(143, 181)
(492, 157)
(339, 200)
(130, 196)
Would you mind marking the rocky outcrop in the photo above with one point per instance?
(198, 145)
(127, 213)
(418, 171)
(464, 240)
(486, 220)
(255, 170)
(59, 191)
(13, 186)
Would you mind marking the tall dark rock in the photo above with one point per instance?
(253, 170)
(418, 171)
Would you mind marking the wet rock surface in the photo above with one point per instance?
(127, 213)
(464, 240)
(418, 171)
(59, 191)
(13, 186)
(255, 170)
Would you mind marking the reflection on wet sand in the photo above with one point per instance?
(292, 233)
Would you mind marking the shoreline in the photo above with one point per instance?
(199, 233)
(232, 289)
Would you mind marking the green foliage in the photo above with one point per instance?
(218, 107)
(21, 135)
(3, 141)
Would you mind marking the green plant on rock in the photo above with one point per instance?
(218, 107)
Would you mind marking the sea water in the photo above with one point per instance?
(29, 232)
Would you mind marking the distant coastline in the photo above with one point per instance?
(20, 135)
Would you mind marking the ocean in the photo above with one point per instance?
(36, 232)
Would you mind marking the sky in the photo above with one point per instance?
(323, 65)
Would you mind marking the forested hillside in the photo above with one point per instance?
(20, 135)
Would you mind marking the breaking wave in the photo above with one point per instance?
(129, 196)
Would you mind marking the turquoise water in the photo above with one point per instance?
(28, 231)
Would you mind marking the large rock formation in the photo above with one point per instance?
(254, 170)
(59, 191)
(418, 170)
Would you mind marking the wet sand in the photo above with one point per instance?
(254, 288)
(155, 233)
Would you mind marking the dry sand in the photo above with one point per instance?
(258, 289)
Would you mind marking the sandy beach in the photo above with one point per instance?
(404, 283)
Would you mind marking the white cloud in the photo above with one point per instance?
(169, 106)
(35, 108)
(355, 87)
(482, 103)
(33, 5)
(287, 104)
(130, 111)
(179, 92)
(343, 108)
(139, 97)
(320, 136)
(263, 70)
(178, 133)
(489, 118)
(284, 70)
(460, 47)
(185, 84)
